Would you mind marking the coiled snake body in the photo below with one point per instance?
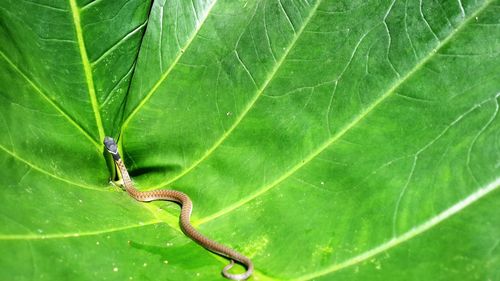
(187, 207)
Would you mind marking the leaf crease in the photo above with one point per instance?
(167, 72)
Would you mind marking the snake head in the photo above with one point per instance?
(110, 145)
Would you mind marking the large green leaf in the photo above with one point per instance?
(326, 140)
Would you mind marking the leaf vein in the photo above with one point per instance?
(117, 44)
(422, 228)
(51, 102)
(345, 129)
(167, 72)
(34, 236)
(31, 165)
(87, 68)
(124, 77)
(249, 105)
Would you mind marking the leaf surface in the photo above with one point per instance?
(325, 140)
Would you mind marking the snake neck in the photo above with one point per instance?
(125, 177)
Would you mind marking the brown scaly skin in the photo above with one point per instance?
(187, 207)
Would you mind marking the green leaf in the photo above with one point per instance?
(326, 140)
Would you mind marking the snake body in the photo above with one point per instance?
(187, 207)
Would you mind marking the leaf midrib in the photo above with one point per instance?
(87, 68)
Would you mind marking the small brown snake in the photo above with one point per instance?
(187, 207)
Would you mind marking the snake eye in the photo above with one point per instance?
(110, 145)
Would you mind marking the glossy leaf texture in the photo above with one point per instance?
(326, 140)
